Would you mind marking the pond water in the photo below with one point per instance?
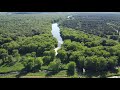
(56, 33)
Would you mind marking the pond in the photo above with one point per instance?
(56, 33)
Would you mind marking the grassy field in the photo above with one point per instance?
(47, 74)
(41, 74)
(6, 68)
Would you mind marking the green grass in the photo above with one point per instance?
(60, 74)
(9, 76)
(16, 67)
(110, 74)
(44, 73)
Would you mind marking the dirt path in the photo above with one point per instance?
(114, 77)
(9, 73)
(40, 77)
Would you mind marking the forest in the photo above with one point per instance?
(92, 42)
(100, 25)
(91, 46)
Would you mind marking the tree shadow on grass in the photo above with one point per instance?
(23, 72)
(114, 70)
(50, 73)
(96, 74)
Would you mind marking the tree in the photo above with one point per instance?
(3, 55)
(28, 63)
(50, 53)
(10, 58)
(96, 64)
(90, 63)
(47, 60)
(103, 42)
(89, 52)
(55, 65)
(80, 63)
(101, 64)
(11, 46)
(112, 62)
(71, 68)
(16, 54)
(33, 54)
(74, 56)
(32, 64)
(38, 64)
(62, 54)
(114, 37)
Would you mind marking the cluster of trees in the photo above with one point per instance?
(93, 53)
(24, 25)
(88, 40)
(42, 45)
(32, 63)
(27, 39)
(91, 41)
(94, 24)
(6, 58)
